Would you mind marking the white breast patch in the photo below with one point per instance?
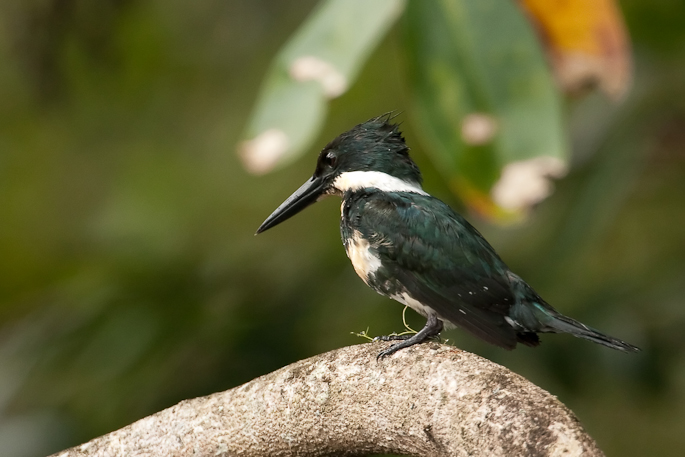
(363, 260)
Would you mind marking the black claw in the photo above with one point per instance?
(383, 354)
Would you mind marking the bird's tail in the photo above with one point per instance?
(563, 324)
(532, 313)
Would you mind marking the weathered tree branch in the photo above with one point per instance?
(428, 400)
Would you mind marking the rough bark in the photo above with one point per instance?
(428, 400)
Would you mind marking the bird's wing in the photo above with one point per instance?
(440, 260)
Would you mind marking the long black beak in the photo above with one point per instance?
(307, 194)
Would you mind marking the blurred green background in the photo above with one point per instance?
(130, 278)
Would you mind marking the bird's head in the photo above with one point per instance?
(370, 155)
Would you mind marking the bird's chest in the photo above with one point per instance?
(358, 248)
(363, 258)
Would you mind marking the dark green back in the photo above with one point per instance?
(435, 255)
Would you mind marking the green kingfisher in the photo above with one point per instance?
(410, 246)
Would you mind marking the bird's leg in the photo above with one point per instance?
(432, 328)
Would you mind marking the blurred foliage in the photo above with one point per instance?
(318, 63)
(130, 278)
(586, 42)
(483, 98)
(483, 95)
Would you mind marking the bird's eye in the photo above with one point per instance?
(330, 159)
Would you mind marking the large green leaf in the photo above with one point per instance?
(318, 63)
(485, 101)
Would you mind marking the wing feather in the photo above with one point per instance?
(439, 259)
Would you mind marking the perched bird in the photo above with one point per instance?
(412, 247)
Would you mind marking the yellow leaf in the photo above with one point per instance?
(587, 43)
(481, 203)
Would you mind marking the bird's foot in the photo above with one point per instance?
(403, 337)
(431, 330)
(396, 347)
(394, 337)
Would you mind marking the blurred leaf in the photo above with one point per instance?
(587, 43)
(485, 102)
(318, 63)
